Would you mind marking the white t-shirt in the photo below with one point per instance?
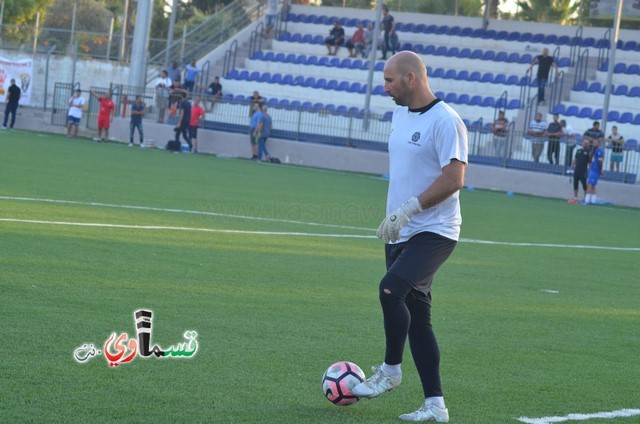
(272, 7)
(77, 103)
(163, 91)
(420, 145)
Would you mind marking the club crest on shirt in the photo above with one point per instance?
(415, 138)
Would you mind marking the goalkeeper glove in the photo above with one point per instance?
(389, 229)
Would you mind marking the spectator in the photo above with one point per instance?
(570, 137)
(191, 72)
(264, 131)
(617, 145)
(594, 134)
(499, 130)
(368, 40)
(595, 172)
(176, 93)
(197, 116)
(137, 112)
(389, 28)
(335, 39)
(537, 129)
(544, 62)
(163, 87)
(76, 104)
(12, 99)
(554, 132)
(105, 115)
(255, 99)
(253, 133)
(214, 92)
(580, 164)
(356, 42)
(175, 74)
(272, 15)
(184, 119)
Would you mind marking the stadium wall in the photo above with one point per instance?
(315, 155)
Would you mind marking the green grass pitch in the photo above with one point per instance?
(542, 321)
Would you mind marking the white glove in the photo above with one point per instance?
(389, 229)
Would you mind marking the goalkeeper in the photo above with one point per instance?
(427, 160)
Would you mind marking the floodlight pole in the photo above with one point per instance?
(172, 26)
(373, 51)
(612, 57)
(140, 45)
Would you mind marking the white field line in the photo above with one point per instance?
(621, 413)
(254, 218)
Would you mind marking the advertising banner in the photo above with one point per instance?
(20, 70)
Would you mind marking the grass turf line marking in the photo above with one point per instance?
(621, 413)
(150, 208)
(566, 246)
(159, 227)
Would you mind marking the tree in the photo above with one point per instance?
(550, 11)
(21, 13)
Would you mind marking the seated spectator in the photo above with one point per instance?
(554, 132)
(594, 134)
(617, 144)
(537, 129)
(356, 42)
(368, 40)
(570, 140)
(256, 99)
(335, 39)
(214, 92)
(499, 130)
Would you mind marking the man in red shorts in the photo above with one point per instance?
(105, 115)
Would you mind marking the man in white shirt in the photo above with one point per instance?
(536, 132)
(570, 140)
(428, 154)
(163, 87)
(271, 15)
(76, 104)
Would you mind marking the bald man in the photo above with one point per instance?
(427, 158)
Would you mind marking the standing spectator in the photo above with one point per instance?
(544, 62)
(554, 132)
(335, 39)
(256, 99)
(617, 145)
(428, 154)
(537, 129)
(191, 72)
(272, 15)
(254, 136)
(76, 104)
(184, 120)
(175, 74)
(12, 99)
(105, 115)
(594, 134)
(177, 92)
(368, 40)
(137, 112)
(197, 116)
(389, 28)
(580, 164)
(595, 172)
(499, 130)
(163, 87)
(356, 42)
(264, 131)
(570, 137)
(214, 92)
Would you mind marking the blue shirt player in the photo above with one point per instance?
(595, 172)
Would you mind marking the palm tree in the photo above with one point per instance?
(550, 11)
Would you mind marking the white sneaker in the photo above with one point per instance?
(377, 384)
(142, 145)
(427, 413)
(130, 144)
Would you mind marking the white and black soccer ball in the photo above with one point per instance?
(339, 379)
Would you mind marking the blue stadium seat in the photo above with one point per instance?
(477, 33)
(429, 49)
(450, 74)
(323, 61)
(318, 106)
(334, 62)
(312, 60)
(613, 116)
(501, 102)
(259, 55)
(318, 39)
(513, 36)
(438, 73)
(285, 36)
(603, 43)
(440, 51)
(454, 31)
(344, 21)
(585, 112)
(563, 62)
(501, 57)
(341, 110)
(355, 87)
(513, 80)
(264, 77)
(463, 75)
(287, 80)
(453, 52)
(296, 38)
(502, 35)
(489, 34)
(463, 99)
(513, 58)
(621, 90)
(343, 86)
(233, 74)
(307, 39)
(564, 40)
(356, 64)
(451, 98)
(514, 104)
(279, 57)
(588, 42)
(442, 29)
(487, 77)
(275, 79)
(345, 63)
(387, 116)
(489, 102)
(475, 101)
(309, 82)
(466, 52)
(476, 54)
(559, 109)
(572, 110)
(526, 58)
(466, 32)
(594, 87)
(300, 60)
(378, 90)
(633, 69)
(306, 106)
(321, 83)
(626, 118)
(244, 75)
(538, 38)
(636, 119)
(269, 56)
(597, 114)
(421, 28)
(489, 55)
(353, 110)
(332, 84)
(431, 29)
(283, 103)
(551, 39)
(238, 98)
(581, 86)
(500, 79)
(295, 104)
(475, 76)
(620, 68)
(631, 144)
(525, 37)
(408, 27)
(439, 94)
(630, 45)
(634, 92)
(379, 66)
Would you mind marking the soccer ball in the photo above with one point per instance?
(339, 379)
